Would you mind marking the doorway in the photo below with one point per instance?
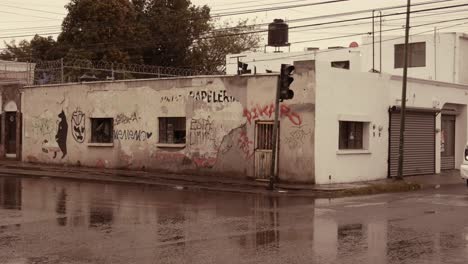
(10, 134)
(263, 149)
(447, 145)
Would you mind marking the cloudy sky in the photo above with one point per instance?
(20, 18)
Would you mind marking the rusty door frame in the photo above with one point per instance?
(256, 141)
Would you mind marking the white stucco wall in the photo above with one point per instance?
(272, 61)
(440, 52)
(350, 97)
(366, 97)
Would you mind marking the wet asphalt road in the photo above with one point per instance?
(57, 221)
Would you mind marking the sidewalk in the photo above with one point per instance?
(196, 182)
(446, 178)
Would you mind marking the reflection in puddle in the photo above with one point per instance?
(139, 224)
(10, 193)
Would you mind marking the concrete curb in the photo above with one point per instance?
(180, 183)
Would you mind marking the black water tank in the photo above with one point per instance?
(278, 33)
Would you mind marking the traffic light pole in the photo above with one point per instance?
(271, 185)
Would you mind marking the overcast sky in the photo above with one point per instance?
(24, 17)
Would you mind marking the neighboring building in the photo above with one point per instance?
(12, 71)
(342, 125)
(439, 57)
(10, 119)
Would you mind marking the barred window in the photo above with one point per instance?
(172, 130)
(102, 130)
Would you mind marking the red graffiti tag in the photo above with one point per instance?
(245, 144)
(258, 112)
(293, 116)
(204, 162)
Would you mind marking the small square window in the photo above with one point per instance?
(416, 55)
(102, 130)
(172, 130)
(351, 135)
(341, 64)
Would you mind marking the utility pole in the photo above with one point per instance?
(403, 95)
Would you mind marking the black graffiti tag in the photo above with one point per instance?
(78, 126)
(137, 135)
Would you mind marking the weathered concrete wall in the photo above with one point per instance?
(220, 112)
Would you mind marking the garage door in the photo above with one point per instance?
(419, 156)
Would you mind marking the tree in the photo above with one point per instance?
(14, 52)
(39, 48)
(171, 27)
(102, 29)
(171, 33)
(209, 53)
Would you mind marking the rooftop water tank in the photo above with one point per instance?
(278, 33)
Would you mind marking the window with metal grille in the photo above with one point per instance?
(102, 130)
(351, 135)
(172, 130)
(416, 55)
(265, 136)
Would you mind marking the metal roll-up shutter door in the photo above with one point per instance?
(419, 156)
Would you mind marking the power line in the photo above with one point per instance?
(250, 6)
(275, 8)
(294, 27)
(346, 13)
(340, 21)
(365, 44)
(317, 17)
(13, 13)
(243, 33)
(32, 9)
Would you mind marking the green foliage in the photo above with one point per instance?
(209, 53)
(157, 32)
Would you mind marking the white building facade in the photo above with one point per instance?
(439, 57)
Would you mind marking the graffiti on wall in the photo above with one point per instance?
(43, 126)
(171, 98)
(245, 144)
(168, 158)
(78, 121)
(201, 131)
(128, 134)
(126, 119)
(60, 144)
(206, 161)
(267, 111)
(62, 134)
(219, 96)
(297, 136)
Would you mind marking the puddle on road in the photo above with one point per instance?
(137, 224)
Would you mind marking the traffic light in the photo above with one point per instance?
(285, 81)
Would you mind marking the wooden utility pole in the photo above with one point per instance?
(403, 95)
